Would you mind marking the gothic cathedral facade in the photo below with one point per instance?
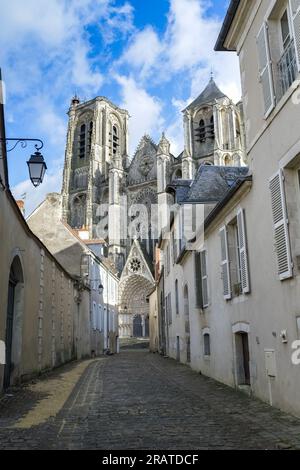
(101, 183)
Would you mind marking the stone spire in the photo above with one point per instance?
(163, 146)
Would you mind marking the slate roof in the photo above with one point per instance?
(147, 257)
(209, 94)
(213, 182)
(210, 185)
(181, 188)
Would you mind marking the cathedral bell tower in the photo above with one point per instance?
(97, 137)
(213, 131)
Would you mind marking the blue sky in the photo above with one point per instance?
(151, 57)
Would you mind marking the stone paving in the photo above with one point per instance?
(139, 400)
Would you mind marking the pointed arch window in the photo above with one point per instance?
(82, 141)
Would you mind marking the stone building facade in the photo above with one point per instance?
(43, 309)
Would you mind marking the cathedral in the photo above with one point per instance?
(109, 194)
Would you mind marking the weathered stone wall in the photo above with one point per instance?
(44, 332)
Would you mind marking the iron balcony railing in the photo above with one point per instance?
(286, 69)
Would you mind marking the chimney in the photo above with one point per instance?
(21, 206)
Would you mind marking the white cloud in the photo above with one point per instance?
(145, 110)
(82, 74)
(54, 126)
(34, 196)
(42, 20)
(118, 22)
(191, 35)
(143, 51)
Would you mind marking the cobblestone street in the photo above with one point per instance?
(138, 400)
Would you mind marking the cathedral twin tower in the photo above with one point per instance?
(98, 170)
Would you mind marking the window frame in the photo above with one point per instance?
(206, 345)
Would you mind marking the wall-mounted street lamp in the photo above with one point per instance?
(36, 164)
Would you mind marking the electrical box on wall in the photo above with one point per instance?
(270, 361)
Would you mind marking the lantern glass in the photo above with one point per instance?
(37, 168)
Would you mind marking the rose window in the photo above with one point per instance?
(135, 265)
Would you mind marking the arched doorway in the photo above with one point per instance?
(13, 334)
(134, 308)
(187, 323)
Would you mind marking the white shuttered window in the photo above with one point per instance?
(243, 254)
(225, 264)
(280, 224)
(265, 69)
(295, 12)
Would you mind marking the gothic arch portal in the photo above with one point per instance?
(136, 283)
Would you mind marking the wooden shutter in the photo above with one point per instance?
(281, 230)
(295, 12)
(198, 280)
(244, 266)
(265, 69)
(225, 264)
(204, 279)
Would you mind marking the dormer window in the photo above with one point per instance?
(82, 136)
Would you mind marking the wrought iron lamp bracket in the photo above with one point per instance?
(23, 142)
